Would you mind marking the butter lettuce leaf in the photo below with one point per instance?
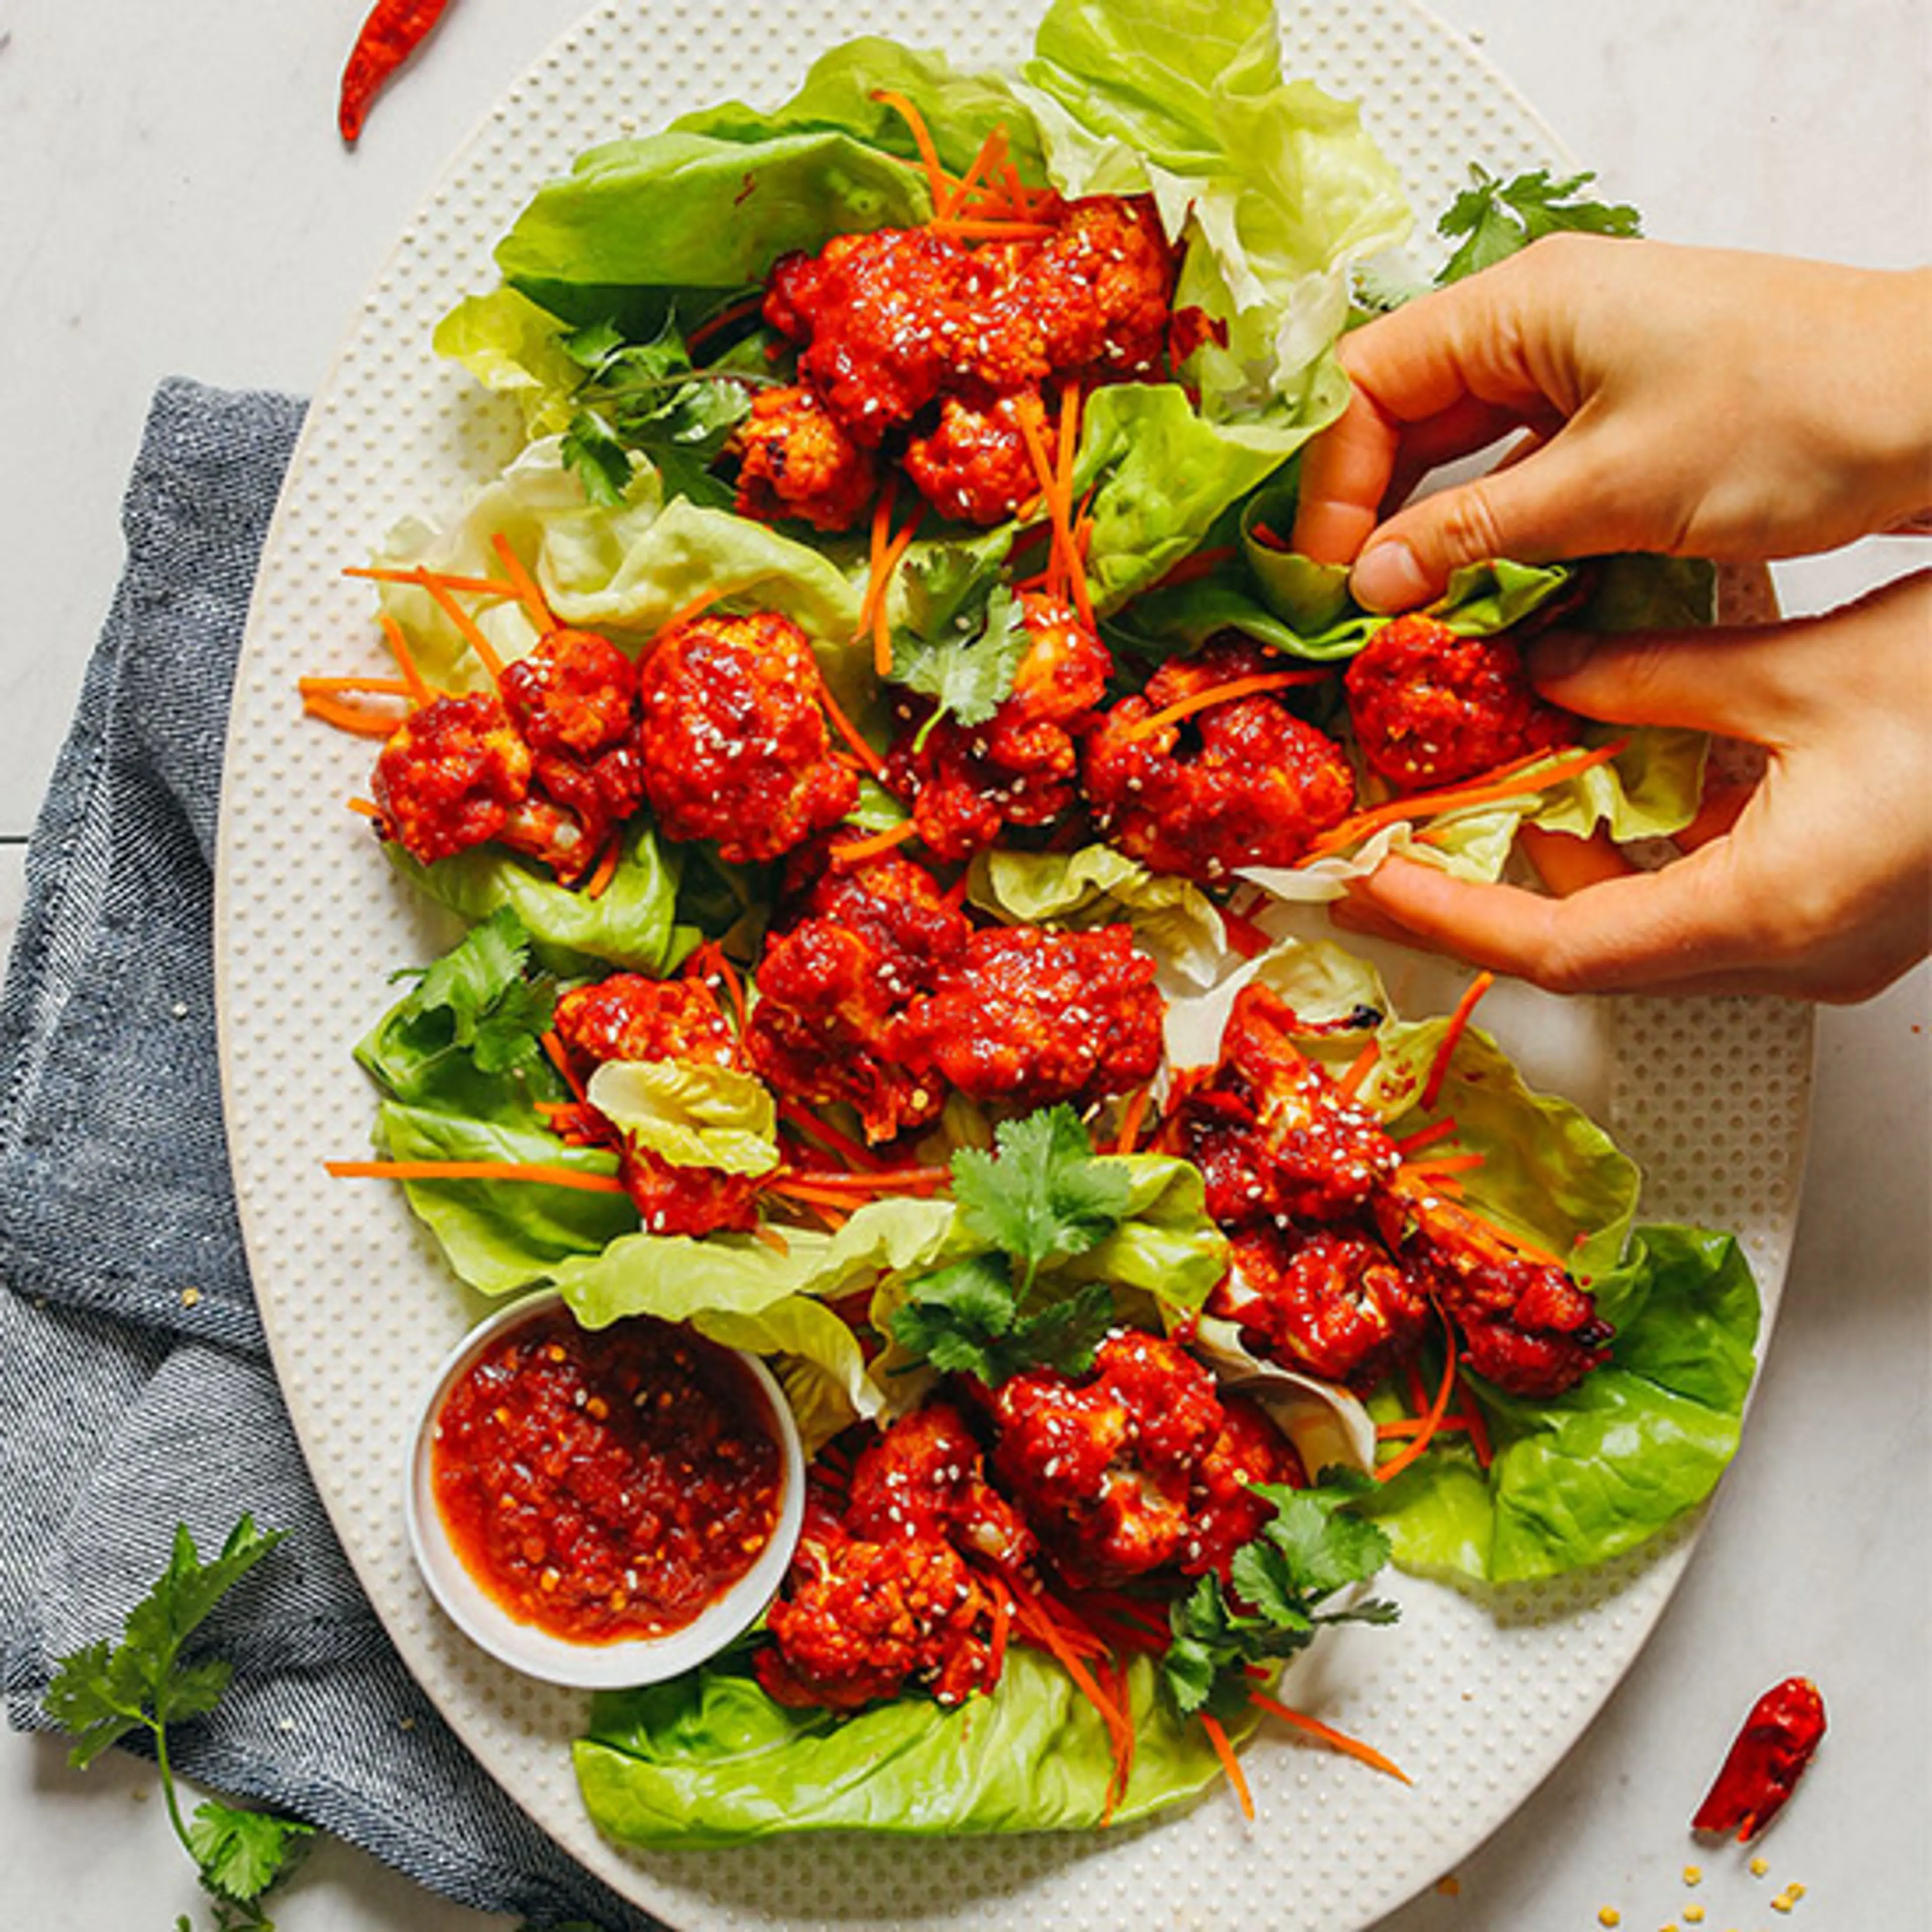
(709, 1760)
(691, 1114)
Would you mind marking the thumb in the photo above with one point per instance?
(1550, 505)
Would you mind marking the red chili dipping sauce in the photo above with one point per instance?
(606, 1484)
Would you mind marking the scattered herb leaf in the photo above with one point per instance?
(968, 675)
(1497, 218)
(966, 1320)
(477, 999)
(104, 1691)
(1311, 1548)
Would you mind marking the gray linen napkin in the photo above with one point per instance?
(126, 1403)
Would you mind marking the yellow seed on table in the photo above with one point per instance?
(1693, 1915)
(1782, 1903)
(1693, 1874)
(191, 1296)
(1609, 1915)
(1759, 1866)
(1794, 1890)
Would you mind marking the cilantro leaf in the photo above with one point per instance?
(1497, 218)
(242, 1853)
(966, 1320)
(1044, 1195)
(105, 1690)
(968, 676)
(1279, 1582)
(482, 1002)
(647, 399)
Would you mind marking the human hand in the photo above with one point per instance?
(1821, 889)
(1692, 402)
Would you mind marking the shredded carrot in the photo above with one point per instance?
(475, 1170)
(847, 730)
(1411, 1144)
(1222, 694)
(1230, 1763)
(972, 230)
(1418, 1395)
(881, 1177)
(605, 869)
(984, 164)
(1016, 190)
(1352, 1746)
(1200, 563)
(1458, 1020)
(1037, 1620)
(406, 662)
(1056, 487)
(1389, 1471)
(685, 613)
(1069, 451)
(1515, 780)
(770, 1237)
(472, 632)
(732, 312)
(829, 1136)
(1359, 1069)
(528, 592)
(711, 958)
(1448, 1163)
(553, 1050)
(416, 574)
(350, 718)
(375, 687)
(366, 808)
(882, 622)
(856, 851)
(1003, 1617)
(1130, 1121)
(937, 178)
(1268, 539)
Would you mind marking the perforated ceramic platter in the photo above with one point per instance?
(1710, 1097)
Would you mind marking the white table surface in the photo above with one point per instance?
(173, 199)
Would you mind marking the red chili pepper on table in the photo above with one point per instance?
(1765, 1762)
(393, 31)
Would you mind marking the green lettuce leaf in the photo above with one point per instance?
(709, 1760)
(499, 1236)
(633, 924)
(691, 1114)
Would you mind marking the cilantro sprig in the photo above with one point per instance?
(106, 1692)
(477, 999)
(968, 674)
(646, 399)
(1310, 1550)
(1043, 1197)
(1497, 218)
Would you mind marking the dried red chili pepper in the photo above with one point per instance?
(393, 31)
(1765, 1762)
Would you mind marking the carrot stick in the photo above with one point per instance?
(770, 1237)
(605, 869)
(829, 1136)
(1359, 1069)
(1352, 1746)
(866, 1181)
(554, 1049)
(374, 687)
(472, 632)
(856, 851)
(1222, 694)
(1130, 1121)
(1411, 1144)
(970, 230)
(936, 177)
(847, 730)
(1070, 442)
(732, 312)
(1230, 1763)
(1439, 1407)
(1458, 1020)
(1448, 1163)
(366, 808)
(528, 592)
(406, 662)
(1472, 1421)
(475, 1170)
(348, 717)
(416, 574)
(991, 148)
(1516, 780)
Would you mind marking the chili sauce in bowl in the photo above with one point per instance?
(603, 1506)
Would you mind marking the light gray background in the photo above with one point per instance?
(173, 199)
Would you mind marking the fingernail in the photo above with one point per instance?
(1388, 577)
(1560, 655)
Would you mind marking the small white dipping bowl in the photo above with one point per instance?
(591, 1666)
